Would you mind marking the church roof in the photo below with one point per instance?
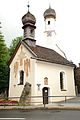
(49, 55)
(44, 54)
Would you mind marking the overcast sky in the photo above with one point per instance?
(67, 22)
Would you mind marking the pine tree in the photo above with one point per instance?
(4, 70)
(14, 43)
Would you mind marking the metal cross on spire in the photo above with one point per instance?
(49, 5)
(28, 6)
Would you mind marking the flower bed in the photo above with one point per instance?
(8, 102)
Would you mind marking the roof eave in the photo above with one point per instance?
(45, 60)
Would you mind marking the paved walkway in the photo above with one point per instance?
(69, 104)
(47, 106)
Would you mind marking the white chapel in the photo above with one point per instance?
(40, 70)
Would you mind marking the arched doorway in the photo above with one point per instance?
(45, 95)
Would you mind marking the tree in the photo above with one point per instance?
(77, 78)
(14, 43)
(4, 70)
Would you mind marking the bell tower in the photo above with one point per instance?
(29, 27)
(49, 33)
(50, 18)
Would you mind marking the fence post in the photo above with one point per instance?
(65, 99)
(44, 105)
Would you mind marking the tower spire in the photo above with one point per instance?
(28, 6)
(49, 5)
(29, 27)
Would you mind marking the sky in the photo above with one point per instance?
(67, 22)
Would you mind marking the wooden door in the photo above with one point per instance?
(45, 95)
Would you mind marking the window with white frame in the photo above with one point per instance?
(62, 81)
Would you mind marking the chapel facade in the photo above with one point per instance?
(40, 70)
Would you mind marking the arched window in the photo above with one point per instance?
(48, 22)
(21, 77)
(62, 81)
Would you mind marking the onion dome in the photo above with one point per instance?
(28, 18)
(50, 13)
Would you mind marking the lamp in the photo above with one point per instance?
(38, 85)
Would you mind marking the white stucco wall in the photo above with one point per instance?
(38, 71)
(51, 26)
(15, 90)
(52, 72)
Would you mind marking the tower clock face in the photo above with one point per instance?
(49, 34)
